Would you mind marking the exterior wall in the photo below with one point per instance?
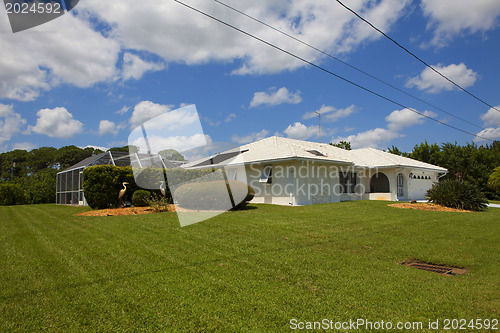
(413, 188)
(308, 183)
(301, 183)
(418, 187)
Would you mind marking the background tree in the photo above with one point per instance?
(426, 153)
(342, 144)
(395, 150)
(127, 149)
(172, 155)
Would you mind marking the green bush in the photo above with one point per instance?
(102, 183)
(11, 194)
(141, 198)
(213, 195)
(457, 194)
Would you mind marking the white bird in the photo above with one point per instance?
(122, 192)
(163, 188)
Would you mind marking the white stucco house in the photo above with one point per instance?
(293, 172)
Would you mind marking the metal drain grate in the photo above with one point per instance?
(439, 269)
(432, 268)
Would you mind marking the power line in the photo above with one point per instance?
(416, 57)
(345, 63)
(324, 69)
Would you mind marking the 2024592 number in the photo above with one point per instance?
(34, 8)
(474, 324)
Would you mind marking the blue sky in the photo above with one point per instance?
(90, 76)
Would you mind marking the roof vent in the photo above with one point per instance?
(315, 152)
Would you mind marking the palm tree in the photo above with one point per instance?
(494, 180)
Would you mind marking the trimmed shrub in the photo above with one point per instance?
(11, 194)
(159, 204)
(102, 183)
(213, 195)
(141, 198)
(457, 194)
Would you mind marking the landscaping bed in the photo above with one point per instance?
(427, 206)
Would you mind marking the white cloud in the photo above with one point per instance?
(134, 67)
(212, 123)
(24, 146)
(300, 131)
(108, 127)
(450, 18)
(10, 123)
(195, 39)
(275, 97)
(123, 110)
(373, 138)
(330, 113)
(147, 110)
(488, 134)
(250, 137)
(400, 119)
(72, 50)
(98, 147)
(230, 118)
(57, 122)
(179, 143)
(492, 117)
(432, 82)
(66, 50)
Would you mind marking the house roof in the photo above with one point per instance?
(112, 156)
(279, 149)
(85, 162)
(374, 158)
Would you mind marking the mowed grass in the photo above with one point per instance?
(251, 270)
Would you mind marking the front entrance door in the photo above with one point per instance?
(400, 181)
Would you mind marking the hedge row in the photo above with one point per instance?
(34, 189)
(12, 194)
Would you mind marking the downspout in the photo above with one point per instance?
(444, 174)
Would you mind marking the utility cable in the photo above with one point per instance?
(416, 57)
(324, 69)
(345, 63)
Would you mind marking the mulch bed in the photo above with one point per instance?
(123, 211)
(428, 206)
(137, 211)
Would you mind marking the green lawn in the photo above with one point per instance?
(251, 270)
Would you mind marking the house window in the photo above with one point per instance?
(348, 182)
(267, 175)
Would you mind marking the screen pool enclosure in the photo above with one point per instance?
(69, 184)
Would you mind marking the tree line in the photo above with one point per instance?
(30, 177)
